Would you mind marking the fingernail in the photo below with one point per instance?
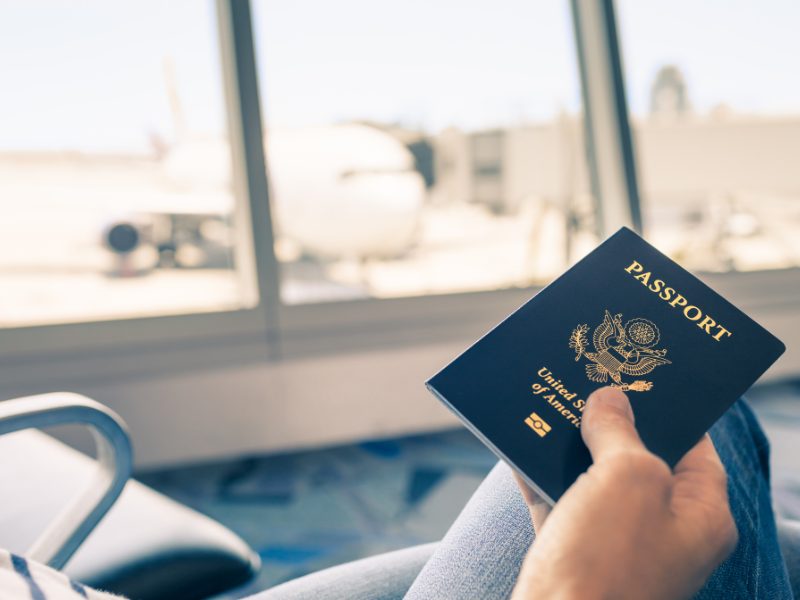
(613, 398)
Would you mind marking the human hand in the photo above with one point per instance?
(629, 527)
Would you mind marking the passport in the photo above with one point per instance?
(627, 316)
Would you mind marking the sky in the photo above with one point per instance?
(89, 75)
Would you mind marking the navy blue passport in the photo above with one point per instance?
(626, 316)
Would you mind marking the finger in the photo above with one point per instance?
(538, 507)
(700, 488)
(702, 459)
(700, 473)
(607, 425)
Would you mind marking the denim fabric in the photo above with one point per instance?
(481, 555)
(789, 536)
(383, 577)
(756, 568)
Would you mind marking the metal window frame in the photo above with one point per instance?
(768, 296)
(610, 154)
(101, 348)
(34, 359)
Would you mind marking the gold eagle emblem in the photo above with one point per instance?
(620, 350)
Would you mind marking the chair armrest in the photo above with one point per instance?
(62, 537)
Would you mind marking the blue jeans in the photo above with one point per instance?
(481, 554)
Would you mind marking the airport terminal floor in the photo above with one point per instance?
(307, 511)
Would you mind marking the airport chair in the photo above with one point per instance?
(146, 547)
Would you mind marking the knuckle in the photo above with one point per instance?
(642, 467)
(608, 418)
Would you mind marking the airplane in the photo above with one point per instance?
(347, 190)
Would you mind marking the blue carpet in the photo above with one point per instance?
(309, 510)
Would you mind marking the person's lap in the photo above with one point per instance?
(481, 554)
(756, 568)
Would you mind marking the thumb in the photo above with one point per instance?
(607, 424)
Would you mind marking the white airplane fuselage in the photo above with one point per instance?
(342, 191)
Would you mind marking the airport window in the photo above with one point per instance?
(716, 122)
(421, 148)
(114, 164)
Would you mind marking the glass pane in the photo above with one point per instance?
(421, 147)
(716, 117)
(115, 190)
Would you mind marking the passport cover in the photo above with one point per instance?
(627, 316)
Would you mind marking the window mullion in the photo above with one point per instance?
(249, 165)
(608, 134)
